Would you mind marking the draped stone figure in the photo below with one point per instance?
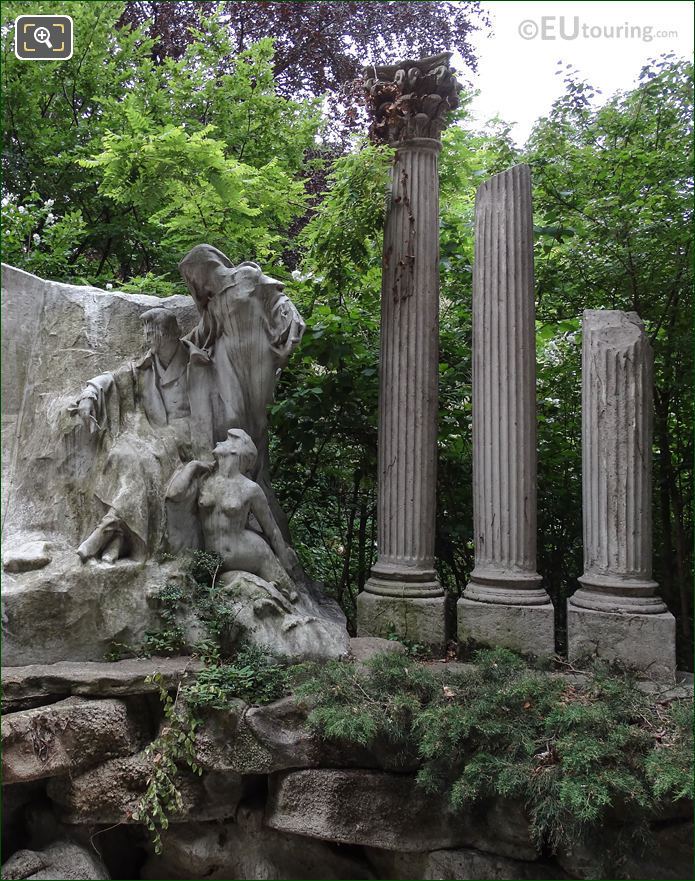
(156, 414)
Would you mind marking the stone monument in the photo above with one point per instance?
(108, 479)
(504, 602)
(409, 103)
(617, 613)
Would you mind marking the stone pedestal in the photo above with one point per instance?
(504, 602)
(402, 595)
(419, 620)
(617, 613)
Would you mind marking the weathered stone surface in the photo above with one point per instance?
(363, 648)
(275, 737)
(385, 811)
(40, 683)
(396, 866)
(27, 556)
(668, 855)
(309, 628)
(66, 737)
(248, 849)
(526, 629)
(415, 619)
(644, 642)
(57, 861)
(461, 863)
(472, 865)
(49, 616)
(110, 792)
(504, 426)
(617, 390)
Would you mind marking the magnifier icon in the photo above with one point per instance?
(43, 35)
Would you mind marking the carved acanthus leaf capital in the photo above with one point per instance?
(410, 99)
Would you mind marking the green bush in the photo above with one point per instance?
(572, 752)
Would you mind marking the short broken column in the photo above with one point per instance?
(409, 102)
(617, 613)
(504, 603)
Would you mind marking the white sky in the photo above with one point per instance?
(516, 76)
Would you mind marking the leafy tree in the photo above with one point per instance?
(141, 161)
(319, 46)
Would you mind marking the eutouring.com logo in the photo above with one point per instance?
(43, 37)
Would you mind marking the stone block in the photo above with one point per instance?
(529, 630)
(110, 793)
(245, 848)
(387, 811)
(363, 648)
(644, 642)
(36, 684)
(420, 620)
(67, 737)
(67, 611)
(466, 864)
(26, 557)
(61, 859)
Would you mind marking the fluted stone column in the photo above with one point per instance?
(409, 103)
(617, 612)
(504, 602)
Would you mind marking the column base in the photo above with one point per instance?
(644, 642)
(420, 620)
(527, 629)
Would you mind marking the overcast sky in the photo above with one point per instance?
(516, 74)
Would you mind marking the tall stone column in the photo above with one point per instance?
(504, 602)
(409, 102)
(617, 613)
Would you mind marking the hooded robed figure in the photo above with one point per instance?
(247, 331)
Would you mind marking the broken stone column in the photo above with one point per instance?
(617, 613)
(504, 603)
(409, 103)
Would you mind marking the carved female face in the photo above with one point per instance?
(236, 454)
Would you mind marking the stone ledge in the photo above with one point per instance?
(38, 684)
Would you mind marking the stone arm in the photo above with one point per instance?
(185, 482)
(287, 328)
(261, 511)
(97, 401)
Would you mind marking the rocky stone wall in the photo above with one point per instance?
(273, 800)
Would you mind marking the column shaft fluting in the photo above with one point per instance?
(408, 378)
(616, 465)
(504, 395)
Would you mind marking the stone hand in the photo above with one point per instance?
(86, 412)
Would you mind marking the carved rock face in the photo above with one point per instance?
(411, 99)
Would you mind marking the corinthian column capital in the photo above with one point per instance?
(410, 99)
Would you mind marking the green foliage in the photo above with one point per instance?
(174, 746)
(253, 676)
(575, 754)
(144, 160)
(198, 592)
(36, 238)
